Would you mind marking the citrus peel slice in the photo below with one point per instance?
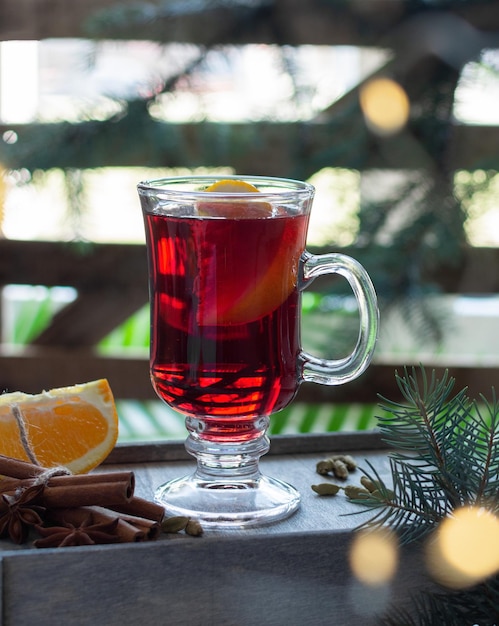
(270, 282)
(232, 205)
(252, 300)
(75, 427)
(232, 185)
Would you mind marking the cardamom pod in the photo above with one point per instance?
(326, 489)
(369, 484)
(349, 461)
(338, 464)
(174, 524)
(194, 528)
(356, 493)
(324, 467)
(374, 488)
(340, 470)
(387, 494)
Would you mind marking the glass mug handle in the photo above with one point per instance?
(340, 371)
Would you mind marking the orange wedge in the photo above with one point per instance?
(233, 206)
(272, 278)
(75, 427)
(232, 185)
(271, 291)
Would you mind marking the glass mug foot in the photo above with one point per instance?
(229, 505)
(227, 490)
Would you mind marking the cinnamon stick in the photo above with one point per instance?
(150, 528)
(71, 498)
(11, 484)
(127, 479)
(140, 508)
(77, 495)
(91, 479)
(15, 468)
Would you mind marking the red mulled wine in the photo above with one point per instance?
(225, 317)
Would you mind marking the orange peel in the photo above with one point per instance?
(75, 427)
(278, 279)
(232, 185)
(232, 205)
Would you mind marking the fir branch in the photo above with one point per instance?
(412, 507)
(485, 447)
(436, 432)
(445, 455)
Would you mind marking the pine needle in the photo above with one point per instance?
(445, 455)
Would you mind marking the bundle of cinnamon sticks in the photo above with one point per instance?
(102, 500)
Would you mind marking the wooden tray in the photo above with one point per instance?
(291, 572)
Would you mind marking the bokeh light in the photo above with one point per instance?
(465, 548)
(385, 106)
(374, 557)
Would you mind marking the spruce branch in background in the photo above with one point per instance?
(445, 457)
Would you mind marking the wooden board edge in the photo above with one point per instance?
(170, 451)
(215, 569)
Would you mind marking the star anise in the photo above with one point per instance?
(18, 512)
(87, 533)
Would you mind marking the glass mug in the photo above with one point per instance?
(227, 265)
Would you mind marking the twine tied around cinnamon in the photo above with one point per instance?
(23, 434)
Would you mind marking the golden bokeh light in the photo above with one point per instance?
(374, 557)
(465, 548)
(385, 106)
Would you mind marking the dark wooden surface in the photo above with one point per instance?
(367, 22)
(111, 282)
(410, 30)
(293, 572)
(264, 148)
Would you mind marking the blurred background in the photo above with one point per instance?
(389, 107)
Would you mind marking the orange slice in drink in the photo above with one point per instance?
(75, 427)
(231, 205)
(270, 291)
(232, 185)
(243, 296)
